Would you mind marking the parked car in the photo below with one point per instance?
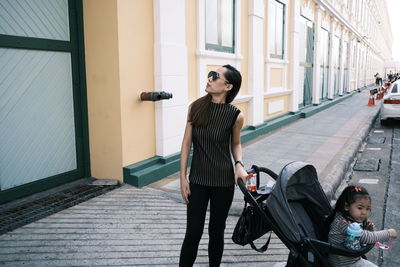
(390, 108)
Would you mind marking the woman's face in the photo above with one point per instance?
(360, 209)
(217, 83)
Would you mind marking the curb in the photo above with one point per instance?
(338, 171)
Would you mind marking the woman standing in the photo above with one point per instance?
(213, 128)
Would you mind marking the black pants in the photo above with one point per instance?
(220, 202)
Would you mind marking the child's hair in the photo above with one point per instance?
(349, 195)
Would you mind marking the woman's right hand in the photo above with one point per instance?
(393, 233)
(185, 190)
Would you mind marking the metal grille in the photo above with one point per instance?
(13, 218)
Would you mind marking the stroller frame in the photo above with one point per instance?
(309, 250)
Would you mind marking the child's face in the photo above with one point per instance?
(360, 209)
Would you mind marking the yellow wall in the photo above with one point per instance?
(212, 67)
(243, 108)
(136, 41)
(102, 67)
(286, 100)
(191, 41)
(276, 77)
(244, 63)
(289, 56)
(119, 65)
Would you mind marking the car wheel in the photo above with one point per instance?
(384, 122)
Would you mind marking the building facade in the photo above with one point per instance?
(72, 72)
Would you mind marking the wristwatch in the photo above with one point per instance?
(240, 162)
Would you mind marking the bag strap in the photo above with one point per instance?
(264, 247)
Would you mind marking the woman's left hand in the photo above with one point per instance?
(240, 173)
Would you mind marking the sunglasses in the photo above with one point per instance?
(215, 76)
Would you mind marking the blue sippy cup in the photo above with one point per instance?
(352, 240)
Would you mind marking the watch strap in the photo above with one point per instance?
(240, 162)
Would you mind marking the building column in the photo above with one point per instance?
(256, 62)
(366, 66)
(170, 64)
(331, 80)
(294, 52)
(351, 57)
(357, 64)
(341, 64)
(317, 53)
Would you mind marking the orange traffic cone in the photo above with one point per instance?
(379, 96)
(371, 101)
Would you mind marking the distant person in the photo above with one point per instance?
(378, 79)
(390, 76)
(213, 127)
(354, 205)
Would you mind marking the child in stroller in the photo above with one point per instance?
(354, 205)
(295, 209)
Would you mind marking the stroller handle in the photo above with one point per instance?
(247, 195)
(256, 170)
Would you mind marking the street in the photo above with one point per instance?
(376, 167)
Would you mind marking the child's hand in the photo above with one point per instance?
(370, 226)
(393, 233)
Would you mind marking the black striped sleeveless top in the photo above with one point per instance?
(212, 161)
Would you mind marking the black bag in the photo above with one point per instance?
(250, 227)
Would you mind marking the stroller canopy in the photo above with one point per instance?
(298, 203)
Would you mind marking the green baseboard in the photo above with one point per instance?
(151, 170)
(309, 111)
(38, 186)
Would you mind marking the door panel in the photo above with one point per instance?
(36, 116)
(39, 19)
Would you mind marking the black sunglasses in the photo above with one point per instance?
(215, 76)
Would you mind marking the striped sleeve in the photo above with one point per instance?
(368, 237)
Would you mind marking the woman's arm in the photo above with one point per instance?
(236, 148)
(185, 150)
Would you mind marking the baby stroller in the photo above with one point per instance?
(295, 209)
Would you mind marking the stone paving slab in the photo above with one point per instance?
(125, 227)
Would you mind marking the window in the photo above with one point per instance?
(220, 25)
(306, 53)
(276, 29)
(394, 89)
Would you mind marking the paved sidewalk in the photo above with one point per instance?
(136, 227)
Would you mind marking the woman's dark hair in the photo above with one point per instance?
(198, 114)
(234, 77)
(349, 195)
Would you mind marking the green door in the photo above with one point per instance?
(306, 56)
(43, 122)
